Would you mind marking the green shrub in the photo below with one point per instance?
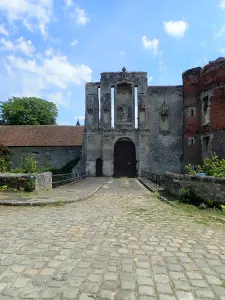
(187, 195)
(29, 186)
(28, 164)
(5, 165)
(211, 166)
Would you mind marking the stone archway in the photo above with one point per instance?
(124, 158)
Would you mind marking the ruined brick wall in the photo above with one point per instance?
(204, 111)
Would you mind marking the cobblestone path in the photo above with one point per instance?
(122, 243)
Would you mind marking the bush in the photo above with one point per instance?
(211, 166)
(5, 165)
(28, 163)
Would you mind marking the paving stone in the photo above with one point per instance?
(70, 293)
(204, 293)
(127, 285)
(185, 295)
(146, 290)
(107, 295)
(164, 288)
(182, 285)
(127, 244)
(31, 293)
(49, 293)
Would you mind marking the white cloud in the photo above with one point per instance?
(68, 3)
(49, 52)
(74, 43)
(81, 16)
(220, 32)
(46, 72)
(34, 14)
(222, 4)
(60, 98)
(19, 44)
(122, 53)
(222, 50)
(176, 29)
(162, 67)
(150, 78)
(3, 30)
(150, 44)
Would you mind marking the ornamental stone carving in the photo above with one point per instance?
(107, 141)
(106, 102)
(142, 105)
(90, 103)
(91, 139)
(123, 113)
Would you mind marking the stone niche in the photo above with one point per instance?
(164, 122)
(142, 109)
(124, 99)
(90, 109)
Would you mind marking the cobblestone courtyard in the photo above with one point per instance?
(122, 243)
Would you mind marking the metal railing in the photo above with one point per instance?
(157, 179)
(61, 179)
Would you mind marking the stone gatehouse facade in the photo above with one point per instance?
(147, 130)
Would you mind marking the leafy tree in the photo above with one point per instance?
(28, 111)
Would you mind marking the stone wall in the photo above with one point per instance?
(165, 107)
(207, 188)
(55, 157)
(204, 111)
(27, 182)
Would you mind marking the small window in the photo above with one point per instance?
(191, 111)
(191, 141)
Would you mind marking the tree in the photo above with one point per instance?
(28, 111)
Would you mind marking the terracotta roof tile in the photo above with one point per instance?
(41, 135)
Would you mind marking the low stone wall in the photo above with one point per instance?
(207, 188)
(27, 182)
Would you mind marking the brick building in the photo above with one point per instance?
(204, 111)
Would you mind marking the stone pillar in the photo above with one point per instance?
(107, 156)
(92, 125)
(142, 105)
(105, 105)
(92, 106)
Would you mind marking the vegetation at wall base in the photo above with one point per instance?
(188, 196)
(5, 165)
(211, 167)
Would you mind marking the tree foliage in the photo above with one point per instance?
(28, 111)
(211, 166)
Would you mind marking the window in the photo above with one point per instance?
(191, 111)
(205, 110)
(206, 146)
(191, 141)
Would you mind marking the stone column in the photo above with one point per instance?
(142, 105)
(107, 155)
(92, 106)
(105, 105)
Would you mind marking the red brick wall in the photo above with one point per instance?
(196, 81)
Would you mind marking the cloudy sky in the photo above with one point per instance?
(50, 48)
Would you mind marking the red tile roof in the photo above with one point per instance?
(41, 135)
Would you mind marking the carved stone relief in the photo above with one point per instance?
(91, 139)
(90, 103)
(164, 126)
(123, 113)
(107, 141)
(106, 102)
(142, 105)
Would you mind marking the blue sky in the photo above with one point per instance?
(50, 48)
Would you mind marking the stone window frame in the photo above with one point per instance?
(191, 111)
(205, 95)
(206, 152)
(191, 141)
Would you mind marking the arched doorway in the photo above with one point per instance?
(124, 158)
(98, 170)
